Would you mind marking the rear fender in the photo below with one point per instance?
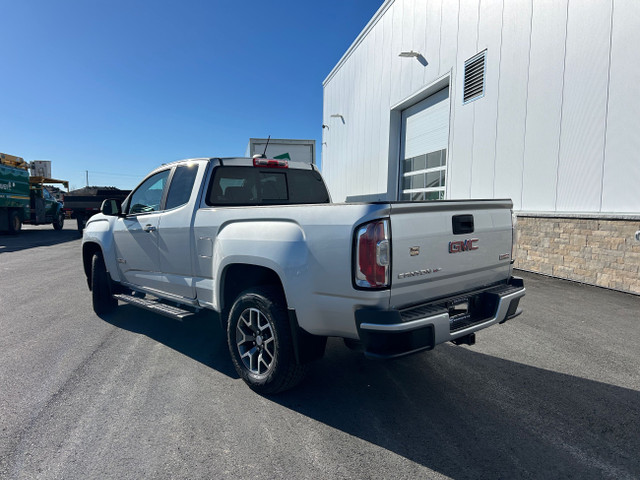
(279, 246)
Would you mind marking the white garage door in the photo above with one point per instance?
(425, 136)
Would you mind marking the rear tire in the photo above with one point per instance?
(260, 342)
(81, 222)
(15, 222)
(101, 295)
(58, 223)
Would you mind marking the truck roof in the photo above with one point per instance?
(236, 162)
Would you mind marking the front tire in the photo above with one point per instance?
(15, 222)
(58, 223)
(101, 296)
(260, 342)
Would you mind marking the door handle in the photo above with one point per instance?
(149, 228)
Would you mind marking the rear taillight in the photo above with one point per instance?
(372, 261)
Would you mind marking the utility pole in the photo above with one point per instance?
(87, 177)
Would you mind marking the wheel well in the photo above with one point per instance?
(88, 251)
(19, 211)
(239, 277)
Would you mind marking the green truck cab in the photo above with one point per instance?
(25, 199)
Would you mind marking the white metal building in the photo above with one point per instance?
(534, 100)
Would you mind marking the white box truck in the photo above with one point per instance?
(303, 151)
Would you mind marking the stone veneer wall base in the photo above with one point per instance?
(599, 251)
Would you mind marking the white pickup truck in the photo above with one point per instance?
(259, 242)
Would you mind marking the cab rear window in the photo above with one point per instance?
(235, 186)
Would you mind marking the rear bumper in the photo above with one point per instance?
(395, 333)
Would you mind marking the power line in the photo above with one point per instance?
(117, 174)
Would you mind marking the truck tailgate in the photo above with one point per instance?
(449, 247)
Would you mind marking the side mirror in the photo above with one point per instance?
(111, 207)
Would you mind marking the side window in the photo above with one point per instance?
(307, 187)
(181, 185)
(233, 186)
(46, 194)
(148, 195)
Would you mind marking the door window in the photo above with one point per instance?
(148, 196)
(423, 177)
(181, 185)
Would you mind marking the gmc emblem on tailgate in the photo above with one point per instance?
(463, 245)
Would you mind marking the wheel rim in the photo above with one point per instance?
(16, 223)
(255, 341)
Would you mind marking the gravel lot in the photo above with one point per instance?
(554, 393)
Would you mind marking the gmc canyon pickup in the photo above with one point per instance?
(259, 242)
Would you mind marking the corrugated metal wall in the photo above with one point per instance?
(557, 130)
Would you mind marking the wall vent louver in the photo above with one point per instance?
(474, 73)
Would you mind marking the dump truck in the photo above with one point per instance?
(85, 202)
(25, 199)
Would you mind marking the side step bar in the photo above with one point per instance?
(156, 306)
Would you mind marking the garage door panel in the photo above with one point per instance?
(425, 137)
(426, 125)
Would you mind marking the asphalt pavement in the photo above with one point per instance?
(554, 393)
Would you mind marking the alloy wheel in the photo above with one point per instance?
(255, 341)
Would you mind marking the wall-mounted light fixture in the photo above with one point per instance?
(417, 55)
(337, 115)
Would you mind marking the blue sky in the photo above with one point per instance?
(119, 87)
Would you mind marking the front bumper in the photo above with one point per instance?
(395, 333)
